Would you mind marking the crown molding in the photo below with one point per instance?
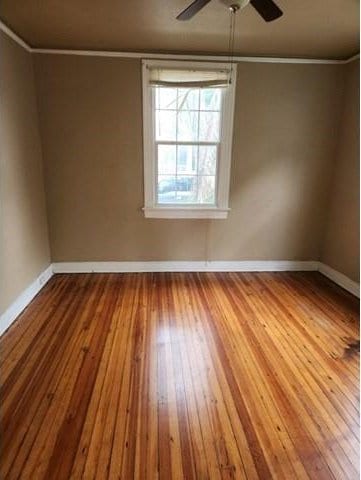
(5, 29)
(168, 56)
(177, 56)
(352, 59)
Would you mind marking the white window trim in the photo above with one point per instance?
(220, 210)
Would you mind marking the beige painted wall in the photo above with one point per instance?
(24, 243)
(342, 243)
(286, 124)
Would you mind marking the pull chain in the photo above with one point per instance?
(232, 27)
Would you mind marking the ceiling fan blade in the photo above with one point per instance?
(267, 9)
(192, 9)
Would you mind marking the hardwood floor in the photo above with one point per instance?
(182, 376)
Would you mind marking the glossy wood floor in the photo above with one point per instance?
(182, 376)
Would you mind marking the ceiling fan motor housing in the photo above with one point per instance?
(235, 4)
(267, 9)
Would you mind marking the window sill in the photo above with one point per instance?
(185, 212)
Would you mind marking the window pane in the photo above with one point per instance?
(188, 98)
(166, 188)
(187, 189)
(187, 159)
(208, 126)
(207, 160)
(165, 125)
(187, 126)
(210, 99)
(206, 189)
(166, 159)
(166, 98)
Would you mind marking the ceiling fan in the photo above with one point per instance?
(266, 8)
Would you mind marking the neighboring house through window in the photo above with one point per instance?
(188, 123)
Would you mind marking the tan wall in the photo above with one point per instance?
(24, 249)
(91, 122)
(341, 249)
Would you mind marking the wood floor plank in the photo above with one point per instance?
(315, 465)
(25, 328)
(182, 376)
(26, 416)
(49, 417)
(96, 421)
(312, 398)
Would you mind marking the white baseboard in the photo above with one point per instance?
(211, 266)
(23, 300)
(340, 279)
(8, 317)
(197, 266)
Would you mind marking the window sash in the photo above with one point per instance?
(156, 174)
(177, 143)
(177, 111)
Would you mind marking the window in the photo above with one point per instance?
(187, 119)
